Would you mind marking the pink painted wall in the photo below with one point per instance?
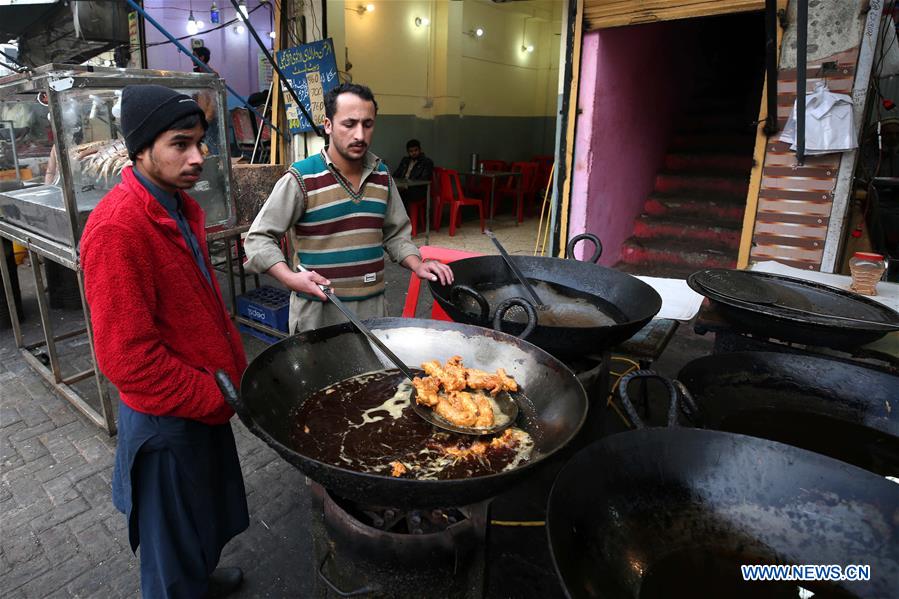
(633, 81)
(234, 55)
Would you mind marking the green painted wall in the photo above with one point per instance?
(450, 140)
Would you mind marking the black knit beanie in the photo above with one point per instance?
(148, 110)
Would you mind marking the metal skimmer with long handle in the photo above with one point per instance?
(505, 406)
(515, 270)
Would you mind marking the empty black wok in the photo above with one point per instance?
(846, 411)
(626, 299)
(800, 311)
(675, 512)
(284, 375)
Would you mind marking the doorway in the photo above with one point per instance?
(673, 127)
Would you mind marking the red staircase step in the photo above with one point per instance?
(737, 164)
(712, 122)
(682, 254)
(674, 182)
(730, 143)
(702, 230)
(714, 209)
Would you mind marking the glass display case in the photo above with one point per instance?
(70, 150)
(61, 151)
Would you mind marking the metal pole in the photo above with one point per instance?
(196, 60)
(801, 41)
(275, 66)
(771, 66)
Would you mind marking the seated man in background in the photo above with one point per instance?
(415, 165)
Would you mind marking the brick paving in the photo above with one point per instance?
(60, 535)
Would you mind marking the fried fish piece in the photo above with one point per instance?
(492, 382)
(444, 390)
(458, 407)
(426, 390)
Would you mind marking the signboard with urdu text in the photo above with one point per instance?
(311, 70)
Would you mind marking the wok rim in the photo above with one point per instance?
(657, 299)
(373, 324)
(795, 316)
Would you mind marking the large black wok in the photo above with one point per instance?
(842, 410)
(284, 375)
(675, 512)
(631, 302)
(797, 310)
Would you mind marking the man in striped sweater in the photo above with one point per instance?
(343, 211)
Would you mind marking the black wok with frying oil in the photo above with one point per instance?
(674, 512)
(843, 410)
(627, 302)
(284, 375)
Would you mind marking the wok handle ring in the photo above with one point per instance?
(629, 407)
(354, 593)
(458, 290)
(597, 251)
(232, 397)
(525, 305)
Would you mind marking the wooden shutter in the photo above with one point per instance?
(599, 14)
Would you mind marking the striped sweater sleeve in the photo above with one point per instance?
(283, 208)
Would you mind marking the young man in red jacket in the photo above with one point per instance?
(160, 332)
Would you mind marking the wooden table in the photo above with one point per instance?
(404, 184)
(493, 176)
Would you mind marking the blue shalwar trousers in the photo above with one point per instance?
(179, 484)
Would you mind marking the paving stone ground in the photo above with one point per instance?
(60, 535)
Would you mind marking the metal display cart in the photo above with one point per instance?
(48, 216)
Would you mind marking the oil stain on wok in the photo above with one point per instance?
(367, 424)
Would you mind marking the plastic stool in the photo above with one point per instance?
(430, 252)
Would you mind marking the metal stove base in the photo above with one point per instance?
(352, 563)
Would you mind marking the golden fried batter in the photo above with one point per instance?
(399, 469)
(479, 379)
(453, 403)
(509, 439)
(426, 390)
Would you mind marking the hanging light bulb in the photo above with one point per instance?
(214, 14)
(242, 5)
(200, 24)
(191, 24)
(272, 34)
(239, 29)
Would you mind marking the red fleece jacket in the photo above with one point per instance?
(160, 330)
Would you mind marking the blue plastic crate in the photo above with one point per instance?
(266, 305)
(257, 333)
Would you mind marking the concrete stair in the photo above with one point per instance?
(720, 207)
(693, 218)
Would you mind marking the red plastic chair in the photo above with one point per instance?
(481, 186)
(451, 194)
(416, 215)
(509, 187)
(494, 165)
(428, 252)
